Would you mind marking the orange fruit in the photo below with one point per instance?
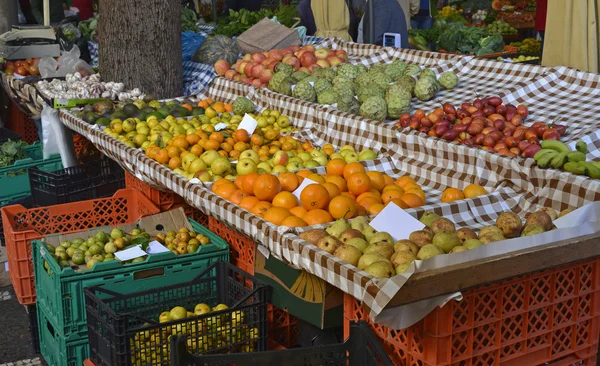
(248, 181)
(192, 139)
(289, 181)
(377, 180)
(248, 202)
(314, 196)
(419, 192)
(329, 149)
(474, 190)
(180, 142)
(338, 181)
(298, 211)
(203, 104)
(285, 199)
(196, 150)
(358, 182)
(225, 190)
(276, 215)
(316, 178)
(217, 136)
(368, 201)
(375, 208)
(342, 206)
(228, 107)
(352, 168)
(174, 162)
(266, 187)
(452, 194)
(293, 221)
(392, 187)
(336, 166)
(316, 217)
(212, 145)
(402, 181)
(187, 106)
(260, 208)
(304, 173)
(237, 196)
(412, 200)
(368, 194)
(388, 180)
(219, 107)
(333, 190)
(390, 194)
(173, 151)
(399, 203)
(349, 195)
(162, 156)
(241, 135)
(238, 181)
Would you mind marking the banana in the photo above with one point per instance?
(575, 167)
(559, 160)
(555, 145)
(544, 161)
(593, 171)
(576, 156)
(543, 152)
(581, 147)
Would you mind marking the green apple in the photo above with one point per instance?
(294, 165)
(220, 166)
(250, 154)
(305, 156)
(279, 169)
(311, 164)
(246, 166)
(209, 156)
(264, 166)
(280, 158)
(336, 156)
(283, 121)
(322, 160)
(351, 157)
(197, 165)
(367, 154)
(187, 160)
(262, 122)
(203, 175)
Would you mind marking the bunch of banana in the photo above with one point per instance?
(556, 154)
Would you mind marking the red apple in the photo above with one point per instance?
(323, 63)
(322, 53)
(305, 69)
(258, 57)
(256, 83)
(237, 77)
(247, 57)
(311, 68)
(308, 58)
(265, 75)
(257, 69)
(230, 74)
(286, 51)
(242, 67)
(294, 62)
(334, 61)
(248, 68)
(286, 56)
(237, 65)
(221, 67)
(331, 53)
(276, 55)
(300, 53)
(294, 48)
(342, 55)
(272, 64)
(309, 47)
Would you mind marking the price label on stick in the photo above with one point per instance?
(248, 123)
(396, 222)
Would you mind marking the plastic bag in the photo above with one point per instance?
(68, 63)
(57, 138)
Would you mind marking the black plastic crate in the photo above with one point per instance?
(95, 179)
(33, 328)
(26, 201)
(361, 349)
(125, 329)
(6, 134)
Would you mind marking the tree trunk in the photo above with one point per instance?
(140, 45)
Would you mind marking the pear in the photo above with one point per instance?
(381, 237)
(551, 212)
(381, 269)
(421, 237)
(383, 248)
(313, 236)
(338, 227)
(565, 212)
(369, 258)
(350, 234)
(491, 237)
(402, 257)
(406, 245)
(402, 267)
(442, 224)
(348, 253)
(472, 244)
(510, 224)
(458, 249)
(446, 241)
(359, 223)
(429, 250)
(532, 229)
(541, 218)
(328, 243)
(490, 229)
(465, 234)
(359, 243)
(428, 218)
(368, 232)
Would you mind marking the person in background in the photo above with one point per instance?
(26, 10)
(252, 5)
(423, 20)
(307, 19)
(410, 9)
(540, 17)
(57, 12)
(85, 7)
(388, 18)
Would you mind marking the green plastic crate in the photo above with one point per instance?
(57, 349)
(60, 291)
(17, 185)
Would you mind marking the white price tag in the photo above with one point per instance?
(220, 126)
(248, 123)
(396, 222)
(131, 253)
(154, 247)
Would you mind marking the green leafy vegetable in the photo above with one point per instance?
(240, 21)
(188, 20)
(11, 151)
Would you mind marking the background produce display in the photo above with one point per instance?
(21, 67)
(237, 22)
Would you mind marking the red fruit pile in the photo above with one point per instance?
(21, 67)
(486, 123)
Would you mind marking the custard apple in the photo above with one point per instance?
(350, 106)
(398, 101)
(243, 105)
(328, 97)
(425, 89)
(317, 72)
(285, 68)
(363, 79)
(395, 70)
(370, 90)
(348, 70)
(407, 82)
(299, 75)
(276, 79)
(361, 68)
(329, 74)
(412, 70)
(378, 68)
(427, 73)
(322, 85)
(374, 108)
(285, 87)
(397, 91)
(448, 80)
(380, 79)
(344, 93)
(303, 90)
(341, 79)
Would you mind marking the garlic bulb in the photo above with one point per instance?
(76, 86)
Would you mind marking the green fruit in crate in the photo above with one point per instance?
(177, 313)
(65, 244)
(95, 249)
(91, 241)
(164, 317)
(138, 259)
(91, 263)
(117, 233)
(110, 247)
(50, 248)
(64, 264)
(70, 251)
(200, 309)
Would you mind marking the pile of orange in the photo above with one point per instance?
(455, 194)
(347, 190)
(212, 108)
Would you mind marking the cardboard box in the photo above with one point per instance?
(300, 293)
(267, 35)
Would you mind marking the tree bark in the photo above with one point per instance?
(140, 45)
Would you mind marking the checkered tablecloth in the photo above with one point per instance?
(517, 184)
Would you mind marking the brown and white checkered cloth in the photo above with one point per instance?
(517, 184)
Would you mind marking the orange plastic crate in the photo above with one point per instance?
(550, 316)
(195, 214)
(242, 248)
(164, 200)
(283, 328)
(22, 226)
(20, 123)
